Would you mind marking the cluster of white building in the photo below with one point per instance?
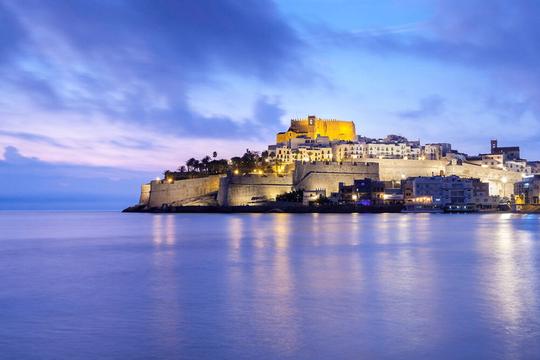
(322, 149)
(394, 147)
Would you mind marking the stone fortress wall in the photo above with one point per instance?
(398, 169)
(235, 190)
(244, 190)
(328, 175)
(144, 199)
(160, 192)
(500, 182)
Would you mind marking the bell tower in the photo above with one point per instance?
(311, 126)
(494, 145)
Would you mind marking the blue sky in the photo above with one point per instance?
(99, 96)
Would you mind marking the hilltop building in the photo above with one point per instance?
(503, 158)
(509, 152)
(313, 127)
(535, 166)
(314, 155)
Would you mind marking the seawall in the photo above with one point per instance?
(236, 190)
(328, 175)
(160, 192)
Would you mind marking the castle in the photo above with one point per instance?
(313, 127)
(317, 155)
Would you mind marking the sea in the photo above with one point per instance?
(110, 285)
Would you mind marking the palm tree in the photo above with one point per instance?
(204, 162)
(191, 164)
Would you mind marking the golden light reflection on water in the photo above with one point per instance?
(404, 228)
(164, 282)
(400, 265)
(235, 228)
(163, 230)
(422, 226)
(282, 226)
(384, 229)
(170, 236)
(506, 276)
(157, 228)
(267, 274)
(355, 229)
(315, 228)
(406, 277)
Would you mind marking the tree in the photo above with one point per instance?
(236, 163)
(191, 164)
(214, 154)
(182, 169)
(249, 162)
(292, 196)
(204, 163)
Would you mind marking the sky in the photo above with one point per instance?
(97, 97)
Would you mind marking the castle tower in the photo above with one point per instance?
(493, 146)
(312, 127)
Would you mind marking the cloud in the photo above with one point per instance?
(93, 141)
(34, 184)
(494, 47)
(429, 107)
(136, 61)
(499, 39)
(462, 31)
(11, 34)
(32, 138)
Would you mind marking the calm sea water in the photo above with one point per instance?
(302, 286)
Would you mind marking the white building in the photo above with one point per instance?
(391, 151)
(432, 152)
(347, 150)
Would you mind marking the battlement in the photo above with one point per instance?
(314, 127)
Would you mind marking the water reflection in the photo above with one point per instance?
(167, 312)
(403, 228)
(296, 286)
(163, 230)
(235, 227)
(157, 229)
(406, 282)
(265, 277)
(510, 275)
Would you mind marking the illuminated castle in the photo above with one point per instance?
(313, 127)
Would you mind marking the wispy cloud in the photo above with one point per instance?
(429, 107)
(135, 62)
